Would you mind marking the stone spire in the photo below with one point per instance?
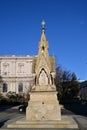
(43, 44)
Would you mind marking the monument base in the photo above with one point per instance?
(43, 111)
(66, 122)
(43, 106)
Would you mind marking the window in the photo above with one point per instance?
(43, 48)
(5, 87)
(20, 68)
(20, 87)
(5, 68)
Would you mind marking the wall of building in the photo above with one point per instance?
(16, 70)
(83, 90)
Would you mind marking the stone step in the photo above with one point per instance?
(68, 123)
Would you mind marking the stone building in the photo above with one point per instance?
(83, 90)
(15, 73)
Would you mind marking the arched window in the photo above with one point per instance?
(20, 87)
(5, 87)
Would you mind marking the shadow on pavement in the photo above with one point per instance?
(3, 122)
(76, 109)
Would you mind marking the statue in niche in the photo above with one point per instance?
(43, 79)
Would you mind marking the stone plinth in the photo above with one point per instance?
(43, 106)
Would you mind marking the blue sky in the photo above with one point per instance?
(66, 30)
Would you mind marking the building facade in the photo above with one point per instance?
(16, 73)
(83, 90)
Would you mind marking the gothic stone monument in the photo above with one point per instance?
(43, 109)
(43, 104)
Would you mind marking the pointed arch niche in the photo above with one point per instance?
(43, 77)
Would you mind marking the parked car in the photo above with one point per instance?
(22, 108)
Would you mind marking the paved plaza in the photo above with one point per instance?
(77, 111)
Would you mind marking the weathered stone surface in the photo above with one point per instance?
(43, 106)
